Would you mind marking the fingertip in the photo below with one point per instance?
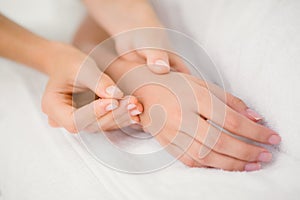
(252, 167)
(159, 66)
(140, 107)
(274, 139)
(135, 120)
(102, 106)
(132, 99)
(112, 106)
(114, 92)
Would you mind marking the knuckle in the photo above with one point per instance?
(204, 160)
(237, 166)
(189, 162)
(219, 144)
(232, 122)
(247, 155)
(99, 108)
(236, 101)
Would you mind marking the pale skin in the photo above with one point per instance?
(25, 47)
(61, 63)
(229, 153)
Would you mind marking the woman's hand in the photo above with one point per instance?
(205, 145)
(68, 78)
(182, 112)
(117, 16)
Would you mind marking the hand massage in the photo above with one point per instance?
(121, 74)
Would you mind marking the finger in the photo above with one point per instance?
(240, 125)
(89, 113)
(180, 155)
(177, 63)
(216, 160)
(137, 110)
(157, 60)
(238, 105)
(208, 157)
(134, 57)
(92, 77)
(59, 108)
(133, 106)
(215, 110)
(223, 143)
(119, 117)
(232, 101)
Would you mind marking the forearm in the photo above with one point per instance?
(20, 45)
(121, 15)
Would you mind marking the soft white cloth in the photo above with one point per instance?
(255, 44)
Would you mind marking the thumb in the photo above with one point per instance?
(157, 60)
(101, 84)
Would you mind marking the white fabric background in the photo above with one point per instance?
(255, 44)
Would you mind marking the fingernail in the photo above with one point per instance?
(252, 167)
(265, 157)
(114, 91)
(162, 63)
(133, 121)
(274, 139)
(253, 114)
(111, 106)
(131, 106)
(135, 112)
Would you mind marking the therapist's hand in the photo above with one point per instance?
(67, 77)
(117, 16)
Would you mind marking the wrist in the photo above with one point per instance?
(118, 16)
(60, 56)
(45, 58)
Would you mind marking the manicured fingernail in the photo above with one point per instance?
(111, 106)
(252, 167)
(253, 114)
(274, 139)
(162, 63)
(135, 112)
(131, 106)
(133, 121)
(114, 91)
(265, 157)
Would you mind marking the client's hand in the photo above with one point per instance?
(65, 82)
(184, 126)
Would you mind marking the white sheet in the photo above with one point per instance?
(254, 43)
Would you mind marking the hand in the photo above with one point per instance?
(117, 16)
(157, 58)
(185, 129)
(66, 82)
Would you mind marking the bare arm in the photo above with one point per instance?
(20, 45)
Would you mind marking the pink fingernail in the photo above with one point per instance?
(265, 157)
(162, 63)
(274, 139)
(133, 121)
(252, 167)
(253, 114)
(114, 91)
(131, 106)
(111, 106)
(135, 112)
